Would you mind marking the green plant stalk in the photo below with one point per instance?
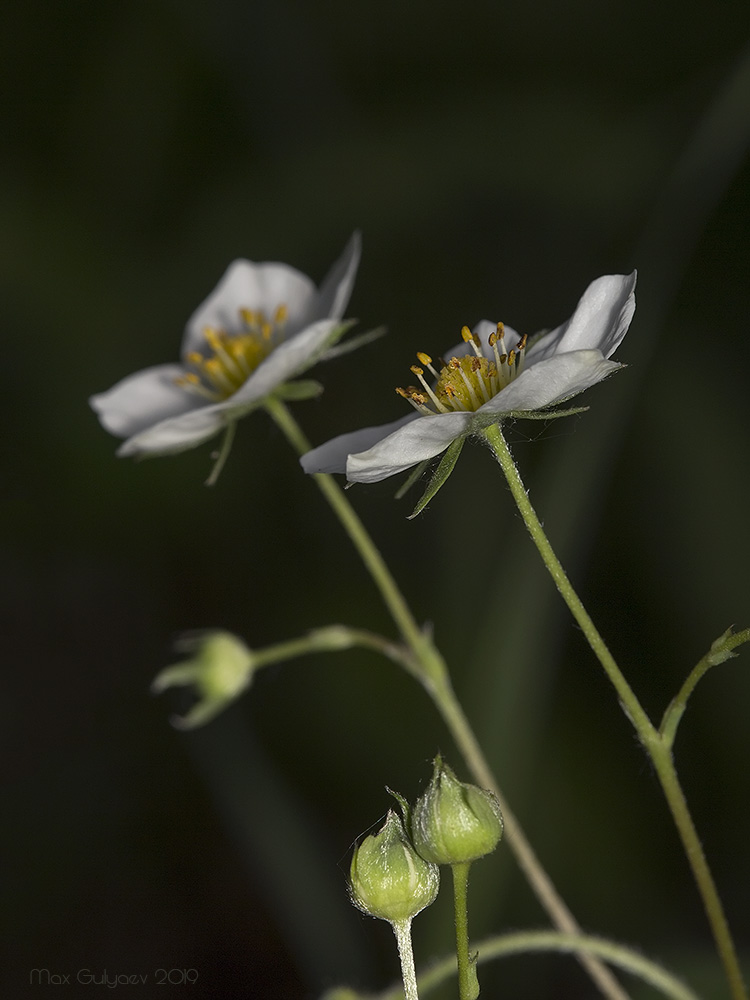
(661, 755)
(402, 930)
(468, 985)
(433, 673)
(650, 737)
(720, 651)
(328, 639)
(526, 942)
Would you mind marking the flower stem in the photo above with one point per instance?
(528, 942)
(721, 650)
(433, 672)
(402, 930)
(389, 590)
(468, 984)
(661, 755)
(653, 741)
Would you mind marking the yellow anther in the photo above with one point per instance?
(464, 384)
(233, 354)
(213, 337)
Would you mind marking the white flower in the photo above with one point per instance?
(490, 375)
(261, 326)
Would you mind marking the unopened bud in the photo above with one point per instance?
(455, 822)
(220, 669)
(388, 879)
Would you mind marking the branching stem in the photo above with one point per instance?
(433, 672)
(655, 743)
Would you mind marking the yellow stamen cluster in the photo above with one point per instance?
(468, 382)
(232, 357)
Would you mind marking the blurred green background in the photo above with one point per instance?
(497, 157)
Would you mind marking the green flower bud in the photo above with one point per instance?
(220, 669)
(454, 822)
(388, 879)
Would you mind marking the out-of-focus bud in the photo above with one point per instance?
(453, 822)
(220, 668)
(388, 879)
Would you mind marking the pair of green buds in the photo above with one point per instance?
(394, 873)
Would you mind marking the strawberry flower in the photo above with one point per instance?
(492, 375)
(263, 325)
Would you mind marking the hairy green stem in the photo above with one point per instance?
(720, 651)
(525, 942)
(402, 930)
(652, 740)
(329, 639)
(468, 985)
(433, 672)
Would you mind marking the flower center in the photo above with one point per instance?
(232, 357)
(469, 382)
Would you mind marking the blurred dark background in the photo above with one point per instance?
(497, 158)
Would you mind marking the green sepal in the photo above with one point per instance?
(483, 420)
(354, 342)
(306, 388)
(325, 350)
(404, 806)
(571, 411)
(444, 469)
(411, 479)
(473, 983)
(720, 650)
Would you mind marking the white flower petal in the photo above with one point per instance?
(171, 436)
(601, 320)
(336, 288)
(415, 441)
(246, 285)
(332, 456)
(552, 380)
(142, 399)
(291, 358)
